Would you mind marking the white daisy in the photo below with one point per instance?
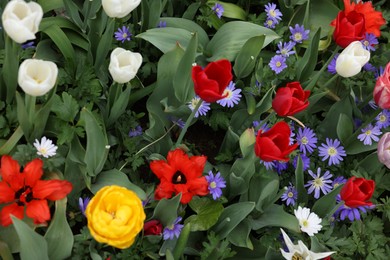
(300, 251)
(46, 148)
(309, 222)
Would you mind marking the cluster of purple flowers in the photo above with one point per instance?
(279, 62)
(274, 16)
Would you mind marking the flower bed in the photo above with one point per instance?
(184, 129)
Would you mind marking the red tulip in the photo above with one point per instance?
(274, 143)
(382, 89)
(357, 192)
(290, 99)
(210, 82)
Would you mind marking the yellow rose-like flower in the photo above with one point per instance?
(115, 216)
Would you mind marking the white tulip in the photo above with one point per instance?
(352, 59)
(37, 77)
(124, 65)
(119, 8)
(21, 20)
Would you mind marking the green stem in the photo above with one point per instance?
(330, 81)
(317, 76)
(30, 106)
(188, 122)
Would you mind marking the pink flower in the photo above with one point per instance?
(384, 149)
(382, 89)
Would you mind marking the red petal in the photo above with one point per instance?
(162, 170)
(164, 190)
(10, 172)
(38, 210)
(282, 101)
(220, 71)
(7, 211)
(52, 189)
(6, 193)
(33, 172)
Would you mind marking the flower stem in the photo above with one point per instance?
(188, 122)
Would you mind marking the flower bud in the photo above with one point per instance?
(37, 77)
(21, 20)
(352, 59)
(382, 89)
(119, 8)
(124, 65)
(384, 149)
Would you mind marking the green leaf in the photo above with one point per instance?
(50, 5)
(104, 45)
(237, 185)
(263, 189)
(182, 82)
(165, 39)
(5, 252)
(231, 37)
(116, 177)
(59, 236)
(12, 141)
(32, 245)
(65, 107)
(166, 210)
(10, 67)
(97, 144)
(344, 128)
(306, 65)
(275, 216)
(181, 241)
(208, 212)
(230, 10)
(325, 205)
(231, 217)
(119, 106)
(73, 12)
(23, 117)
(240, 235)
(247, 56)
(62, 41)
(300, 182)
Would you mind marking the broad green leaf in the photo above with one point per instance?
(23, 117)
(231, 37)
(181, 241)
(32, 245)
(10, 67)
(263, 189)
(250, 103)
(230, 10)
(166, 210)
(231, 217)
(191, 11)
(275, 216)
(73, 12)
(246, 58)
(208, 212)
(59, 236)
(62, 41)
(306, 65)
(116, 177)
(119, 106)
(12, 141)
(237, 185)
(165, 39)
(60, 21)
(324, 206)
(50, 5)
(247, 139)
(230, 141)
(5, 252)
(344, 128)
(182, 82)
(104, 45)
(240, 235)
(42, 115)
(97, 144)
(300, 182)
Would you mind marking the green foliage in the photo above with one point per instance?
(215, 248)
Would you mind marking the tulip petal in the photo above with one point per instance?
(38, 210)
(33, 172)
(52, 189)
(6, 193)
(10, 172)
(7, 211)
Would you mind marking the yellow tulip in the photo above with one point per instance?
(115, 216)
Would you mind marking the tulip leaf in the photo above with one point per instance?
(151, 12)
(97, 144)
(230, 10)
(208, 212)
(181, 241)
(306, 65)
(237, 185)
(240, 235)
(119, 106)
(275, 216)
(62, 41)
(300, 182)
(22, 115)
(165, 39)
(231, 37)
(5, 252)
(116, 177)
(231, 217)
(32, 245)
(263, 189)
(166, 210)
(182, 82)
(59, 236)
(104, 45)
(325, 205)
(73, 12)
(246, 58)
(10, 68)
(50, 5)
(344, 128)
